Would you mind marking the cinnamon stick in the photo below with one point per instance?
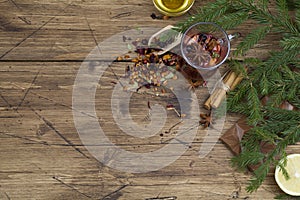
(238, 79)
(221, 93)
(214, 94)
(230, 81)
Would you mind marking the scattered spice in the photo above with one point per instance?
(171, 107)
(206, 119)
(129, 46)
(154, 16)
(151, 69)
(144, 41)
(165, 17)
(125, 38)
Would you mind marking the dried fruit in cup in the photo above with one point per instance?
(204, 50)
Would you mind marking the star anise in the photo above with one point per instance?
(198, 55)
(206, 119)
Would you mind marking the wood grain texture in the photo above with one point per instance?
(43, 44)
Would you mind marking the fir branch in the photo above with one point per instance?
(259, 176)
(241, 67)
(232, 20)
(241, 108)
(242, 161)
(290, 42)
(264, 84)
(297, 17)
(295, 101)
(251, 39)
(282, 166)
(254, 105)
(263, 4)
(288, 74)
(281, 114)
(277, 98)
(292, 136)
(277, 126)
(277, 77)
(280, 58)
(237, 95)
(251, 153)
(282, 8)
(262, 134)
(261, 16)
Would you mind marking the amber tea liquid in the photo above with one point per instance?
(173, 4)
(173, 7)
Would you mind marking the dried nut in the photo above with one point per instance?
(165, 17)
(212, 61)
(167, 57)
(164, 74)
(170, 75)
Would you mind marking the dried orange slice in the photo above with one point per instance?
(290, 186)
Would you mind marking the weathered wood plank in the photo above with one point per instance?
(40, 147)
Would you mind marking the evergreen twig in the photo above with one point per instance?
(277, 77)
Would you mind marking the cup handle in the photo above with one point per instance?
(234, 35)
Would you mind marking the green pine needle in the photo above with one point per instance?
(277, 77)
(290, 43)
(251, 39)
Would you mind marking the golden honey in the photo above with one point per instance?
(173, 7)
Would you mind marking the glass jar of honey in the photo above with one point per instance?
(173, 7)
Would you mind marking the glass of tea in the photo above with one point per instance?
(205, 45)
(173, 7)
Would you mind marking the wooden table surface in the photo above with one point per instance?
(43, 44)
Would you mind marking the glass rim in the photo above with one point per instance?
(205, 68)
